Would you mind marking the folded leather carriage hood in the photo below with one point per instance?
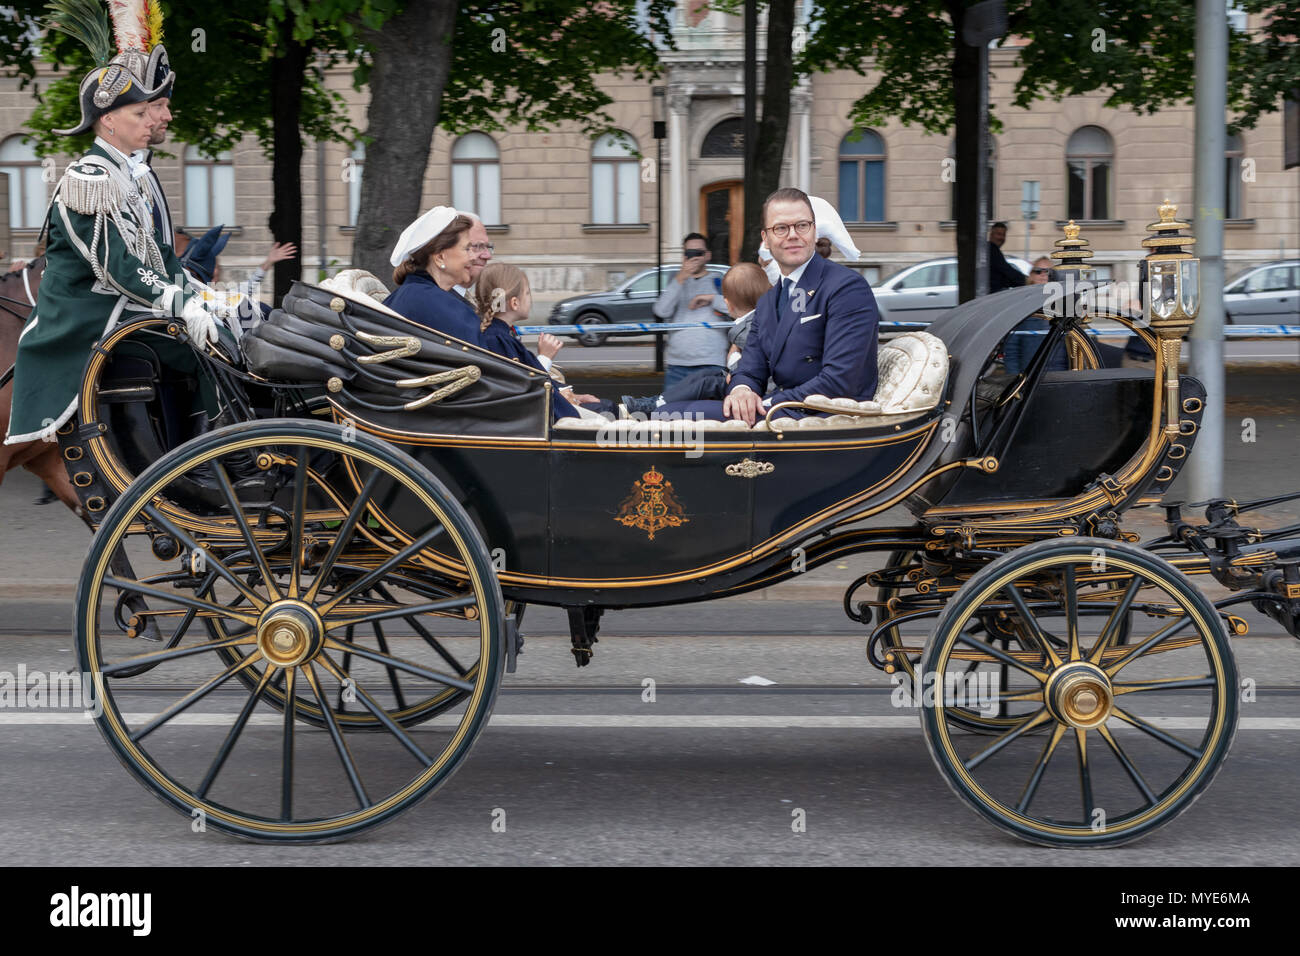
(485, 394)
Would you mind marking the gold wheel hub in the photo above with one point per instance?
(1079, 694)
(289, 633)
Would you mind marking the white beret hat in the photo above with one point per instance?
(421, 231)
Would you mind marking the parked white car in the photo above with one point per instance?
(924, 291)
(1265, 295)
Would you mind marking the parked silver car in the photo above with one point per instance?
(924, 291)
(1265, 295)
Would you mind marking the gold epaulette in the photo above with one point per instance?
(89, 189)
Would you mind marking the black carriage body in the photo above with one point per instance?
(617, 519)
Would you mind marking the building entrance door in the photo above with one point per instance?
(722, 218)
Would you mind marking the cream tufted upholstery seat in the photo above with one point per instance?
(912, 370)
(360, 285)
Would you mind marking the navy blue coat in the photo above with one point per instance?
(421, 300)
(827, 349)
(501, 338)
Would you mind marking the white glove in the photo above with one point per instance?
(200, 324)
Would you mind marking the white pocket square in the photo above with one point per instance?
(809, 318)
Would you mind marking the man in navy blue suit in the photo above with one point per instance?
(814, 333)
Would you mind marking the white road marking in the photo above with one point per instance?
(639, 722)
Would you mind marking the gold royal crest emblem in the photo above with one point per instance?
(651, 506)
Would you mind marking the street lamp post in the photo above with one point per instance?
(660, 134)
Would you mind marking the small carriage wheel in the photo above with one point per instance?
(221, 753)
(1120, 738)
(970, 718)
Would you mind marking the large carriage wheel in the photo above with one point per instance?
(284, 583)
(1119, 739)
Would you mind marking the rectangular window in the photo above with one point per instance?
(462, 186)
(33, 199)
(1078, 182)
(197, 211)
(874, 189)
(488, 201)
(223, 195)
(1232, 188)
(628, 185)
(602, 193)
(1100, 191)
(849, 205)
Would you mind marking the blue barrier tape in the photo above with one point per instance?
(662, 328)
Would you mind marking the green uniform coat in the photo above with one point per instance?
(106, 263)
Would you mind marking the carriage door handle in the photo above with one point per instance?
(750, 468)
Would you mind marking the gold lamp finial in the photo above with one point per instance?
(1071, 230)
(1166, 210)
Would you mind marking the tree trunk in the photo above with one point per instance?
(769, 148)
(287, 71)
(966, 99)
(411, 61)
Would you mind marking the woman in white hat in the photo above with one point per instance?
(431, 256)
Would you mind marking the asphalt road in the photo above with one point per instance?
(712, 771)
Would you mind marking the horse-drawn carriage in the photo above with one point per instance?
(338, 577)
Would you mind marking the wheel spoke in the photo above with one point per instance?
(344, 535)
(196, 695)
(1164, 683)
(237, 511)
(1112, 626)
(232, 735)
(1129, 767)
(340, 745)
(1031, 624)
(175, 597)
(1157, 733)
(392, 674)
(1168, 631)
(1071, 611)
(1029, 724)
(1034, 672)
(403, 610)
(1036, 777)
(380, 714)
(209, 558)
(399, 663)
(429, 639)
(1085, 775)
(378, 573)
(347, 669)
(303, 457)
(159, 656)
(286, 774)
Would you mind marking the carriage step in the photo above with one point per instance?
(584, 622)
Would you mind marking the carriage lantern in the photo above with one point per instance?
(1171, 284)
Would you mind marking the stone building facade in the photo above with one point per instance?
(579, 215)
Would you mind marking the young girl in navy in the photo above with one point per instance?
(503, 297)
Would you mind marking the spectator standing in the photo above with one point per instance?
(1002, 274)
(1021, 348)
(692, 296)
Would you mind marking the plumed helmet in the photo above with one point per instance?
(139, 71)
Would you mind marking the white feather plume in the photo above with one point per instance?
(130, 25)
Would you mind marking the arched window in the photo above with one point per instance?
(725, 141)
(1089, 159)
(615, 184)
(476, 177)
(355, 169)
(1232, 172)
(209, 189)
(990, 181)
(862, 177)
(27, 193)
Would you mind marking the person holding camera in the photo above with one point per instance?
(692, 296)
